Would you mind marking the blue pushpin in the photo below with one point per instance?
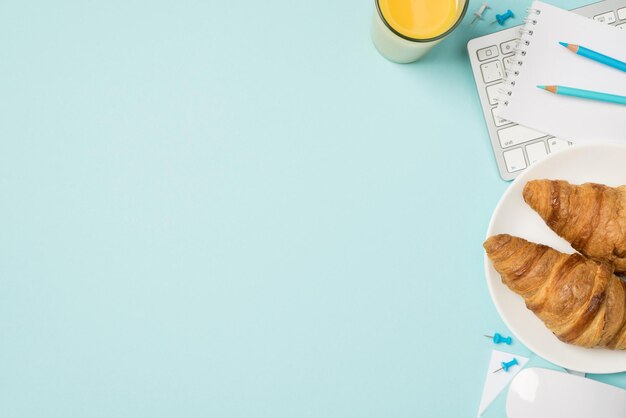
(499, 339)
(503, 17)
(507, 365)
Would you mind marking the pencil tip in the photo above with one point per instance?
(565, 44)
(551, 89)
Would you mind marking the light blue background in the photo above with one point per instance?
(239, 209)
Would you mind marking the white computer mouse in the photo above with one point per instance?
(540, 393)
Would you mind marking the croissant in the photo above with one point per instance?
(592, 217)
(578, 299)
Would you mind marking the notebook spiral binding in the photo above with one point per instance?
(525, 33)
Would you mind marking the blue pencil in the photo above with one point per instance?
(596, 56)
(585, 94)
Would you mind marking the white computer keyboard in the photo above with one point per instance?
(514, 146)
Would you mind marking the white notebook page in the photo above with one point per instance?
(548, 63)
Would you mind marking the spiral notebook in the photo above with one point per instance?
(540, 60)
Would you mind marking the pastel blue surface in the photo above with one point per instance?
(239, 209)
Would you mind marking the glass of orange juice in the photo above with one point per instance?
(404, 30)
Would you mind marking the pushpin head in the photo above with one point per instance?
(509, 364)
(478, 14)
(498, 339)
(504, 17)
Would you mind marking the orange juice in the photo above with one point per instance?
(421, 19)
(404, 30)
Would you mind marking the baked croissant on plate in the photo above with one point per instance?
(578, 299)
(592, 217)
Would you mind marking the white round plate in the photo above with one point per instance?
(579, 164)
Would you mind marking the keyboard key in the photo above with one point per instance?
(487, 53)
(536, 152)
(492, 71)
(514, 160)
(509, 62)
(621, 13)
(497, 120)
(557, 144)
(517, 134)
(608, 17)
(621, 26)
(493, 92)
(508, 46)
